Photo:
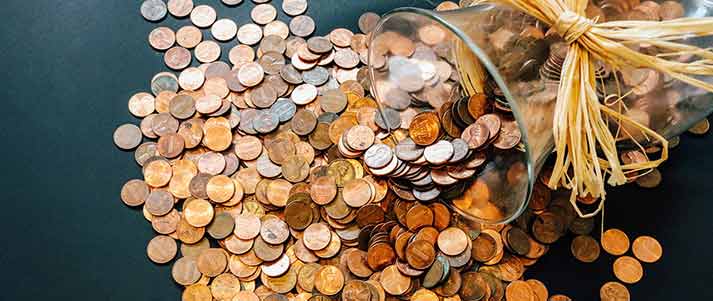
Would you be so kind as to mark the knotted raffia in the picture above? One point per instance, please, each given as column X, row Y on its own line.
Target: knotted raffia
column 579, row 126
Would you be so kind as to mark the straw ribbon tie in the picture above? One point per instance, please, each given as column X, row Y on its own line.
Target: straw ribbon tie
column 571, row 26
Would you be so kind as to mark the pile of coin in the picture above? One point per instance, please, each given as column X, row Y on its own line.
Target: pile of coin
column 277, row 177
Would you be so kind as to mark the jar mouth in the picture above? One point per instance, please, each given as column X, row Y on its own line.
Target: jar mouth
column 495, row 75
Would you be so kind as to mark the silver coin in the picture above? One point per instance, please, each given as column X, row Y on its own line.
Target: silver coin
column 408, row 150
column 266, row 168
column 232, row 2
column 302, row 26
column 291, row 75
column 294, row 7
column 127, row 136
column 265, row 122
column 389, row 119
column 378, row 156
column 164, row 82
column 460, row 150
column 327, row 117
column 246, row 121
column 439, row 153
column 428, row 195
column 317, row 76
column 284, row 108
column 153, row 10
column 319, row 45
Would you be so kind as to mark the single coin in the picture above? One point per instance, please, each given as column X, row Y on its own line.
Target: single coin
column 393, row 281
column 180, row 8
column 425, row 128
column 519, row 290
column 177, row 58
column 159, row 202
column 346, row 58
column 198, row 213
column 368, row 21
column 614, row 291
column 189, row 36
column 452, row 241
column 323, row 190
column 647, row 249
column 316, row 236
column 439, row 153
column 224, row 30
column 539, row 289
column 184, row 271
column 263, row 13
column 207, row 51
column 615, row 242
column 279, row 29
column 294, row 7
column 585, row 248
column 341, row 37
column 142, row 104
column 157, row 173
column 251, row 74
column 247, row 226
column 328, row 280
column 127, row 136
column 302, row 26
column 162, row 38
column 274, row 230
column 304, row 94
column 420, row 254
column 162, row 249
column 134, row 192
column 628, row 269
column 249, row 34
column 212, row 262
column 220, row 189
column 203, row 16
column 153, row 10
column 357, row 192
column 170, row 146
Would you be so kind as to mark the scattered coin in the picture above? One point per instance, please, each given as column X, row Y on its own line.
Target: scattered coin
column 153, row 10
column 628, row 270
column 615, row 242
column 646, row 249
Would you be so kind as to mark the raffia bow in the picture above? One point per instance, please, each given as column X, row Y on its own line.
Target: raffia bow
column 579, row 126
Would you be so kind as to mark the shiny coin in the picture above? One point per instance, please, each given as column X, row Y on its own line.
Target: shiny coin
column 153, row 10
column 615, row 242
column 614, row 291
column 224, row 30
column 203, row 16
column 263, row 14
column 628, row 270
column 647, row 249
column 180, row 8
column 294, row 7
column 249, row 34
column 302, row 26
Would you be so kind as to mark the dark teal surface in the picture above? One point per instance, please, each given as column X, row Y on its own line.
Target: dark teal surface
column 66, row 73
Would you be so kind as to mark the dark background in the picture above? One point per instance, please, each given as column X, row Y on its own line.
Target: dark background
column 67, row 71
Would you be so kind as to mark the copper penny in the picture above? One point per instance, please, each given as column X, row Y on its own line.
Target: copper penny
column 203, row 16
column 162, row 38
column 615, row 242
column 162, row 249
column 127, row 136
column 177, row 58
column 628, row 269
column 647, row 249
column 585, row 248
column 180, row 8
column 212, row 262
column 614, row 291
column 328, row 280
column 452, row 241
column 189, row 36
column 247, row 226
column 316, row 236
column 393, row 281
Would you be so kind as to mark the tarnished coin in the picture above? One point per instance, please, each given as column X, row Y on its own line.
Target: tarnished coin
column 368, row 21
column 127, row 136
column 585, row 248
column 153, row 10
